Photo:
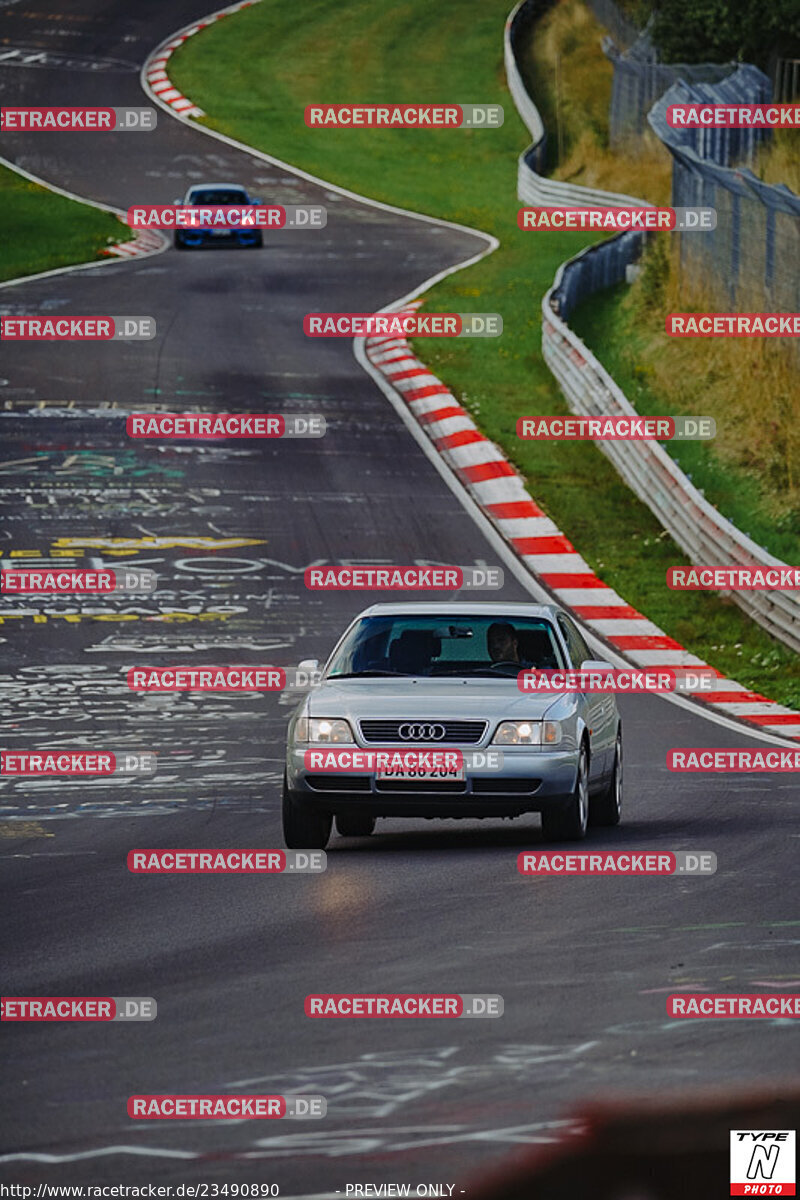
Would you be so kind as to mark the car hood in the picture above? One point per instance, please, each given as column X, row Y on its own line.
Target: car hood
column 380, row 697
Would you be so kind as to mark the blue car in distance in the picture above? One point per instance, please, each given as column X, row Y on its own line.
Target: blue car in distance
column 212, row 195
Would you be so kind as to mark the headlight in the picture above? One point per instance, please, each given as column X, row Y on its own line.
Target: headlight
column 527, row 733
column 323, row 729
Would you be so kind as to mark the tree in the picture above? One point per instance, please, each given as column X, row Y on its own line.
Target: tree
column 722, row 30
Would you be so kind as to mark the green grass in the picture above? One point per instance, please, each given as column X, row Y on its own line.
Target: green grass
column 42, row 230
column 612, row 328
column 284, row 57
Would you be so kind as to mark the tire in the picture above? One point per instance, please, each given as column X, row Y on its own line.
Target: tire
column 259, row 242
column 303, row 827
column 606, row 808
column 568, row 822
column 180, row 244
column 354, row 824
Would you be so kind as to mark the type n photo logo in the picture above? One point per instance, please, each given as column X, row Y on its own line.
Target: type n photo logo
column 762, row 1162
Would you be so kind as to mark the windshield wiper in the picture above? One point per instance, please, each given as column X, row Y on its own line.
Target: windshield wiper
column 476, row 672
column 364, row 674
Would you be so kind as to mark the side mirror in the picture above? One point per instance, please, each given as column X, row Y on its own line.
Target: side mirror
column 177, row 201
column 309, row 665
column 596, row 664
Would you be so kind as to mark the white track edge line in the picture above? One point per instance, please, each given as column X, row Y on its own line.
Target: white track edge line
column 59, row 191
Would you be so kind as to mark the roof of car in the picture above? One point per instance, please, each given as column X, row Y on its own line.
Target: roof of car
column 238, row 186
column 461, row 608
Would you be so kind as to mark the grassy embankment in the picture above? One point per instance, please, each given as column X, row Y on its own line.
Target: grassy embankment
column 42, row 230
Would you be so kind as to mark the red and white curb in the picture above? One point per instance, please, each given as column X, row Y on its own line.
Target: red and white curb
column 155, row 74
column 144, row 242
column 147, row 241
column 500, row 493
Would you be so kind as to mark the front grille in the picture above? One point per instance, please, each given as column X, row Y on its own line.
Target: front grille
column 506, row 787
column 438, row 787
column 456, row 733
column 338, row 783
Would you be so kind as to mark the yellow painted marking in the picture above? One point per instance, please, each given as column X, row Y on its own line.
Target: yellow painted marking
column 125, row 545
column 74, row 618
column 23, row 829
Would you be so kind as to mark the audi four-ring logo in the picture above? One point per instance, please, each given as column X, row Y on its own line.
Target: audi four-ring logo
column 422, row 733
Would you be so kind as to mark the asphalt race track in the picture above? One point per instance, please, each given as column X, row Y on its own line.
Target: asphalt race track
column 584, row 965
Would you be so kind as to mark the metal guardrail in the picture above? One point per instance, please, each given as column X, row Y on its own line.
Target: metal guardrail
column 701, row 531
column 532, row 187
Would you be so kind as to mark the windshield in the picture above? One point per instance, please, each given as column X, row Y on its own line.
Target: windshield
column 218, row 196
column 433, row 647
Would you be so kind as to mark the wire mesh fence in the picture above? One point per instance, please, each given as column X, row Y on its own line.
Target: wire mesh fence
column 620, row 26
column 749, row 262
column 785, row 73
column 640, row 79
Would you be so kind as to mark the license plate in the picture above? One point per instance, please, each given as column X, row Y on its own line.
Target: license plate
column 220, row 233
column 421, row 773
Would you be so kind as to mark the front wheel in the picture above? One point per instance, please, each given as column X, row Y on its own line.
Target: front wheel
column 606, row 809
column 303, row 827
column 568, row 822
column 354, row 824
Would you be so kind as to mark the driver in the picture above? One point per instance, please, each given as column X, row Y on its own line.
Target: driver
column 502, row 642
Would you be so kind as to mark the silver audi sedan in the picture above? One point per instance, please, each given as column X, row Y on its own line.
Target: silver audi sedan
column 430, row 676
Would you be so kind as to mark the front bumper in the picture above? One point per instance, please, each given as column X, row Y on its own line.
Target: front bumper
column 528, row 781
column 207, row 237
